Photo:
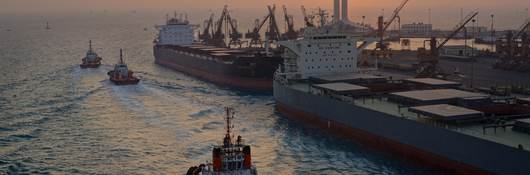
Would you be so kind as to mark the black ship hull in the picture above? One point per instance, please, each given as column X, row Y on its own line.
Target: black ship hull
column 242, row 71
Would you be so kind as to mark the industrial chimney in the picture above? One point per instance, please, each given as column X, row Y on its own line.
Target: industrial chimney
column 336, row 11
column 345, row 10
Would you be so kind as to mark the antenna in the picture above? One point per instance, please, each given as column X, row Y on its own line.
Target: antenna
column 121, row 56
column 90, row 44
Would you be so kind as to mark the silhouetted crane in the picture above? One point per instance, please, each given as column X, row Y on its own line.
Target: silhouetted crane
column 428, row 60
column 290, row 32
column 206, row 35
column 383, row 27
column 218, row 37
column 272, row 33
column 308, row 19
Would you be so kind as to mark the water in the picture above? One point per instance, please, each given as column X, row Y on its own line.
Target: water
column 59, row 119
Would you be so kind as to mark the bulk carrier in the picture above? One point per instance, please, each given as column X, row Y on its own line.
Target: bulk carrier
column 208, row 56
column 429, row 121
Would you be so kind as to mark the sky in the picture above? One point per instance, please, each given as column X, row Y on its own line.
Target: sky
column 444, row 13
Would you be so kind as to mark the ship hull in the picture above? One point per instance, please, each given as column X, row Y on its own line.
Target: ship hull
column 125, row 82
column 440, row 149
column 87, row 66
column 257, row 78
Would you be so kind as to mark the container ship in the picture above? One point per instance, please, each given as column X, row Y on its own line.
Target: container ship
column 432, row 122
column 234, row 64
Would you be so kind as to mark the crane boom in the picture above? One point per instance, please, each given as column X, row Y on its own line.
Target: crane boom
column 307, row 18
column 523, row 28
column 395, row 14
column 457, row 29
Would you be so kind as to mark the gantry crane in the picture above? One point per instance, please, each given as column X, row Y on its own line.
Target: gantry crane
column 428, row 59
column 290, row 32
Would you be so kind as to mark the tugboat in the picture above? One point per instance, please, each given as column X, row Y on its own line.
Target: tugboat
column 121, row 75
column 91, row 60
column 230, row 158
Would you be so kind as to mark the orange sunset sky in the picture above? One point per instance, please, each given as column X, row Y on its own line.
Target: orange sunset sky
column 509, row 13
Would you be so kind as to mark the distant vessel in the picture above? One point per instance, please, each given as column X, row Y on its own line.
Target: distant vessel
column 211, row 59
column 121, row 75
column 230, row 158
column 91, row 60
column 429, row 121
column 48, row 26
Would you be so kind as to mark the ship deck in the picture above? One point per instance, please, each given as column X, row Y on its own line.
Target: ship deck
column 383, row 104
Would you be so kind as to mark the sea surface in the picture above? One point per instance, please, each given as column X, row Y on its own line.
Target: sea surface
column 59, row 119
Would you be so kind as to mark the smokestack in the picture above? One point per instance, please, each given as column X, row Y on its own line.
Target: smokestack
column 345, row 10
column 336, row 11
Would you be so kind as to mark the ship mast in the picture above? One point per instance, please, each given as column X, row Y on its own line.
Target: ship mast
column 90, row 45
column 229, row 116
column 121, row 57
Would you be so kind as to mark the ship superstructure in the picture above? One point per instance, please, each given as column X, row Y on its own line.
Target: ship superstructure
column 176, row 31
column 121, row 75
column 232, row 157
column 430, row 121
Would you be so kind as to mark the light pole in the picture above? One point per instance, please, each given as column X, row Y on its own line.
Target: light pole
column 492, row 32
column 473, row 57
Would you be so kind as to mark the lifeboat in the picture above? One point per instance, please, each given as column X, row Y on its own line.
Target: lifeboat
column 121, row 75
column 91, row 60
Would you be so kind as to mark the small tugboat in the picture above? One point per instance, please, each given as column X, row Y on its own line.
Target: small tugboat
column 230, row 158
column 121, row 75
column 91, row 60
column 48, row 26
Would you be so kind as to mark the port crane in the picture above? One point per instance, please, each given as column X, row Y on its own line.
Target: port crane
column 235, row 35
column 218, row 37
column 206, row 35
column 308, row 19
column 523, row 29
column 382, row 49
column 322, row 16
column 428, row 59
column 272, row 34
column 290, row 32
column 514, row 50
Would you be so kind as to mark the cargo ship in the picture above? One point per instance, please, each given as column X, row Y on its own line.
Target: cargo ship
column 233, row 157
column 210, row 58
column 434, row 123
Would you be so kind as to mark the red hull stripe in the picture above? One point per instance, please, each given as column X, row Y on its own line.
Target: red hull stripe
column 251, row 84
column 383, row 144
